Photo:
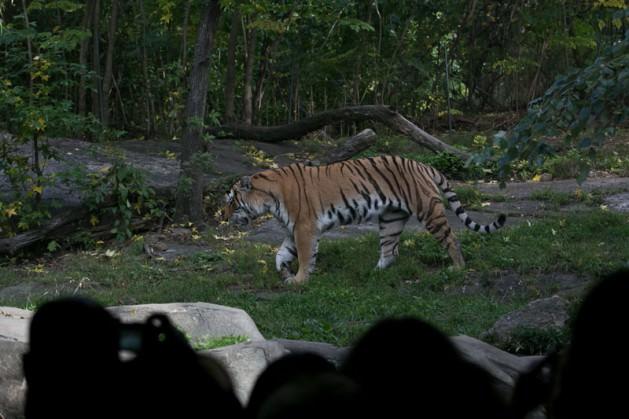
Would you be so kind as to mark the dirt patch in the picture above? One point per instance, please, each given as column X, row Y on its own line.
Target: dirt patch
column 507, row 285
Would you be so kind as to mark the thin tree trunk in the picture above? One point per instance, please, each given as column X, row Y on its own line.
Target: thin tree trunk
column 148, row 103
column 83, row 55
column 249, row 61
column 107, row 78
column 263, row 70
column 230, row 73
column 189, row 203
column 36, row 167
column 97, row 92
column 184, row 34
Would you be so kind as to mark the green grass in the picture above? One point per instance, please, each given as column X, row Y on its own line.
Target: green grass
column 555, row 198
column 203, row 344
column 345, row 295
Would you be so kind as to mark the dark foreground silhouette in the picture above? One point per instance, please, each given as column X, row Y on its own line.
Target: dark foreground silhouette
column 84, row 363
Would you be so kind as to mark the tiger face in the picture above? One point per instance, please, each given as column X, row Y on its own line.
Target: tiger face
column 244, row 203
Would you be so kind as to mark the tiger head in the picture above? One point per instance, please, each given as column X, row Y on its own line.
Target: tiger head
column 244, row 202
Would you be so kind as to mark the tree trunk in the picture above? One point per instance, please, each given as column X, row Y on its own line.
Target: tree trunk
column 184, row 35
column 230, row 73
column 249, row 61
column 189, row 203
column 149, row 105
column 83, row 53
column 263, row 70
column 97, row 92
column 296, row 130
column 107, row 78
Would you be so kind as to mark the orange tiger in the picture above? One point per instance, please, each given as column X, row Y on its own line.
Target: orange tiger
column 309, row 200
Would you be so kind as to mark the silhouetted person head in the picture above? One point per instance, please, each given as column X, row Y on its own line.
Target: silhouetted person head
column 167, row 379
column 318, row 396
column 74, row 369
column 593, row 379
column 72, row 365
column 287, row 369
column 408, row 368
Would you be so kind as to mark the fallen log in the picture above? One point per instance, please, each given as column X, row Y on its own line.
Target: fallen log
column 351, row 146
column 62, row 226
column 12, row 244
column 296, row 130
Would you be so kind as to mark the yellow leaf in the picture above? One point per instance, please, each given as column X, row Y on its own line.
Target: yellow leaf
column 537, row 178
column 10, row 212
column 38, row 189
column 94, row 220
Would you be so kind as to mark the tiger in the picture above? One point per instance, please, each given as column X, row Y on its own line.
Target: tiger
column 311, row 199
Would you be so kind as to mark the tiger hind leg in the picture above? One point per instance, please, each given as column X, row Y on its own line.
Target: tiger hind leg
column 391, row 225
column 437, row 224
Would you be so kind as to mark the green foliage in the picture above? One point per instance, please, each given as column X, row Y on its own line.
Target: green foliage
column 583, row 107
column 34, row 110
column 118, row 192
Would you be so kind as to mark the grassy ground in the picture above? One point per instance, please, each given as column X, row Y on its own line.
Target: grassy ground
column 345, row 295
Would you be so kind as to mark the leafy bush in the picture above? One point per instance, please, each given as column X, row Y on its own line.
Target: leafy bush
column 117, row 192
column 583, row 107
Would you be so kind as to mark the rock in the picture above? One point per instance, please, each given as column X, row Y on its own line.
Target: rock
column 619, row 202
column 197, row 320
column 14, row 324
column 245, row 362
column 12, row 384
column 330, row 352
column 543, row 315
column 546, row 177
column 502, row 366
column 510, row 364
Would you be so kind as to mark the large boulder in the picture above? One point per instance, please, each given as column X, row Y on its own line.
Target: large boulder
column 244, row 362
column 197, row 320
column 12, row 384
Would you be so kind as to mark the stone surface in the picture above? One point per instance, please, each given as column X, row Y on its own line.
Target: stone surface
column 14, row 324
column 619, row 202
column 543, row 315
column 330, row 352
column 483, row 353
column 246, row 361
column 197, row 320
column 12, row 384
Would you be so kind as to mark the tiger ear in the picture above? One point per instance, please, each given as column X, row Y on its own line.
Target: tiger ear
column 245, row 183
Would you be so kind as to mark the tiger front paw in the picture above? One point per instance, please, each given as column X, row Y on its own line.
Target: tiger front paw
column 294, row 280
